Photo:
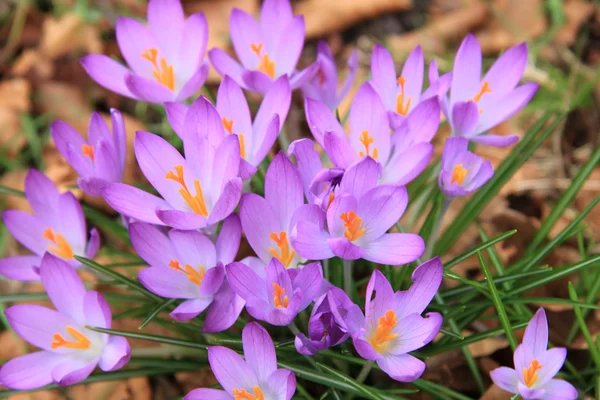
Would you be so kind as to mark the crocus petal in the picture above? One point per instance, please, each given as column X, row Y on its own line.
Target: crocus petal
column 212, row 280
column 168, row 283
column 107, row 73
column 195, row 82
column 536, row 333
column 345, row 249
column 507, row 106
column 72, row 371
column 465, row 116
column 365, row 350
column 307, row 160
column 115, row 355
column 405, row 166
column 427, row 279
column 134, row 202
column 147, row 89
column 192, row 247
column 307, row 212
column 270, row 135
column 166, row 21
column 245, row 282
column 28, row 230
column 232, row 105
column 403, row 368
column 383, row 71
column 506, row 379
column 276, row 101
column 507, row 71
column 310, row 241
column 309, row 281
column 275, row 15
column 415, row 332
column 227, row 202
column 282, row 384
column 259, row 351
column 228, row 241
column 245, row 32
column 176, row 116
column 72, row 221
column 522, row 359
column 290, row 46
column 20, row 268
column 181, row 219
column 190, row 308
column 339, row 150
column 226, row 166
column 384, row 295
column 551, row 361
column 91, row 186
column 134, row 38
column 63, row 135
column 283, row 188
column 193, row 44
column 96, row 310
column 106, row 163
column 258, row 222
column 151, row 244
column 30, row 371
column 93, row 244
column 225, row 65
column 395, row 249
column 380, row 208
column 466, row 72
column 36, row 324
column 412, row 72
column 557, row 389
column 224, row 310
column 301, row 78
column 368, row 113
column 40, row 191
column 352, row 70
column 257, row 81
column 119, row 136
column 230, row 369
column 207, row 394
column 421, row 124
column 495, row 140
column 320, row 119
column 360, row 177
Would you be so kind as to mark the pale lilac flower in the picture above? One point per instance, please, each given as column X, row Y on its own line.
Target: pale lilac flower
column 392, row 325
column 166, row 57
column 476, row 105
column 324, row 85
column 357, row 221
column 187, row 265
column 197, row 191
column 535, row 366
column 278, row 296
column 254, row 377
column 402, row 95
column 70, row 351
column 402, row 156
column 100, row 159
column 463, row 172
column 267, row 49
column 56, row 226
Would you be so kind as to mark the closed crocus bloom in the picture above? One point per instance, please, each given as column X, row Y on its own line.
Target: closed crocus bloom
column 267, row 49
column 57, row 226
column 323, row 331
column 536, row 366
column 463, row 172
column 197, row 191
column 166, row 58
column 254, row 377
column 402, row 156
column 187, row 265
column 392, row 325
column 403, row 94
column 70, row 351
column 357, row 221
column 100, row 159
column 476, row 105
column 324, row 85
column 275, row 298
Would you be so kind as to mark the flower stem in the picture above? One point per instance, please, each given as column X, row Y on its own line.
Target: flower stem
column 436, row 227
column 348, row 277
column 293, row 328
column 364, row 372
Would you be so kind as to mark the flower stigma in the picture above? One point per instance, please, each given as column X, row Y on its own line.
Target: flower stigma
column 267, row 65
column 163, row 73
column 196, row 202
column 63, row 249
column 279, row 298
column 383, row 333
column 285, row 254
column 352, row 223
column 81, row 342
column 194, row 275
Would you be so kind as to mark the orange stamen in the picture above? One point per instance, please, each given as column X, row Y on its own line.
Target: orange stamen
column 81, row 341
column 352, row 224
column 331, row 198
column 279, row 297
column 163, row 73
column 383, row 332
column 458, row 174
column 485, row 88
column 285, row 254
column 267, row 65
column 243, row 394
column 530, row 374
column 63, row 249
column 88, row 150
column 257, row 48
column 228, row 124
column 194, row 275
column 368, row 140
column 196, row 202
column 402, row 108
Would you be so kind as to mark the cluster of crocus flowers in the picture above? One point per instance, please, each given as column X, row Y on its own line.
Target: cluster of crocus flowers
column 69, row 351
column 57, row 226
column 536, row 366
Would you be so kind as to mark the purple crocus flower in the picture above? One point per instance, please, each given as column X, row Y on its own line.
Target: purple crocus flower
column 402, row 156
column 99, row 160
column 462, row 172
column 357, row 222
column 268, row 222
column 277, row 297
column 476, row 105
column 323, row 331
column 267, row 49
column 324, row 86
column 187, row 265
column 254, row 377
column 403, row 94
column 166, row 57
column 256, row 138
column 198, row 191
column 56, row 226
column 392, row 325
column 535, row 366
column 70, row 352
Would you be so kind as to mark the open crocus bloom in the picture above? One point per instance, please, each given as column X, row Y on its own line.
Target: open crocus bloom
column 535, row 366
column 476, row 105
column 392, row 325
column 256, row 138
column 357, row 221
column 267, row 49
column 402, row 156
column 70, row 352
column 57, row 226
column 254, row 377
column 324, row 85
column 268, row 222
column 99, row 160
column 403, row 94
column 275, row 298
column 198, row 191
column 187, row 265
column 462, row 172
column 166, row 57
